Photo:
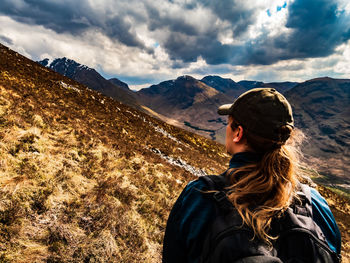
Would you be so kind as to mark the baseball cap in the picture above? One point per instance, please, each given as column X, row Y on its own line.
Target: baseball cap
column 261, row 111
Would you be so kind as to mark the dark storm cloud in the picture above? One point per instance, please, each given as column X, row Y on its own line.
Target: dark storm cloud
column 317, row 28
column 158, row 20
column 239, row 17
column 189, row 48
column 187, row 42
column 72, row 17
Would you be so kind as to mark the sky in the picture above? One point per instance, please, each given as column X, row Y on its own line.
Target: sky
column 146, row 42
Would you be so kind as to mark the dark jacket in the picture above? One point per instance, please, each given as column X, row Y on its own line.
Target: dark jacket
column 194, row 212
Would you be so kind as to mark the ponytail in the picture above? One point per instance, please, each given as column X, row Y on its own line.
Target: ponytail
column 264, row 190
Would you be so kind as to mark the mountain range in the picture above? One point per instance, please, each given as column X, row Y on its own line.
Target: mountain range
column 86, row 178
column 321, row 108
column 189, row 101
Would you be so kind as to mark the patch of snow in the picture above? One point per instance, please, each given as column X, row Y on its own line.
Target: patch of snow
column 49, row 62
column 69, row 87
column 166, row 134
column 179, row 162
column 133, row 114
column 162, row 131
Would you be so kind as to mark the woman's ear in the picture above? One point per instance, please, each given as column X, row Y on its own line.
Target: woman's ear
column 238, row 134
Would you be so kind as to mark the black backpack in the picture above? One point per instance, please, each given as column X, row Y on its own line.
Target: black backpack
column 299, row 238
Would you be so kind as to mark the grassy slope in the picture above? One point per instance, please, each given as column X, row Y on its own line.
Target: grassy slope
column 81, row 178
column 78, row 176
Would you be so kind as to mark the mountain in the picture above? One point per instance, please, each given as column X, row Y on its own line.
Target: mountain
column 281, row 87
column 234, row 89
column 119, row 83
column 85, row 178
column 192, row 104
column 113, row 88
column 189, row 101
column 249, row 84
column 322, row 110
column 224, row 85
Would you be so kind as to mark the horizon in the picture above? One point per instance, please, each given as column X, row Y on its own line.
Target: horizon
column 139, row 87
column 144, row 43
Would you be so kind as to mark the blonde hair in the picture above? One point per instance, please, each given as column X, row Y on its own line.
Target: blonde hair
column 264, row 190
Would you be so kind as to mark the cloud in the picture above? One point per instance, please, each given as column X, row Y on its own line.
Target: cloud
column 6, row 40
column 193, row 31
column 315, row 29
column 164, row 39
column 312, row 28
column 318, row 27
column 73, row 17
column 237, row 13
column 189, row 30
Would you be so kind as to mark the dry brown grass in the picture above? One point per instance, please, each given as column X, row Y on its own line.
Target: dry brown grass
column 78, row 181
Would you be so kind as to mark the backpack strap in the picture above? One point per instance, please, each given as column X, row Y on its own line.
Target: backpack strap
column 218, row 184
column 215, row 182
column 305, row 206
column 299, row 216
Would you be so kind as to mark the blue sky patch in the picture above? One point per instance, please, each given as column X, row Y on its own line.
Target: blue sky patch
column 279, row 8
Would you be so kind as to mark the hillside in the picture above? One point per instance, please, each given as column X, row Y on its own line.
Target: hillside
column 192, row 104
column 322, row 109
column 233, row 89
column 113, row 88
column 85, row 178
column 281, row 87
column 227, row 86
column 189, row 101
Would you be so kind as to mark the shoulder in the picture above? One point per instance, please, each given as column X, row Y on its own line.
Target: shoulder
column 193, row 201
column 196, row 185
column 189, row 218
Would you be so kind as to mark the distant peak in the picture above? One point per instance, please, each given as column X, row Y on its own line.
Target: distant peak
column 212, row 77
column 63, row 64
column 321, row 79
column 45, row 62
column 119, row 83
column 186, row 77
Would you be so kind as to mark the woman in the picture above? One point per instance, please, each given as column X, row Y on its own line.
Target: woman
column 262, row 179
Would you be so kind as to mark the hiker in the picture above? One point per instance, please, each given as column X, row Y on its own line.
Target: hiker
column 259, row 197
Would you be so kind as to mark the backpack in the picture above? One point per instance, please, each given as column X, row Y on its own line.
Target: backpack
column 229, row 240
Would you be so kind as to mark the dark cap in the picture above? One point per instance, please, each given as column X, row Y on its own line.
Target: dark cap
column 262, row 111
